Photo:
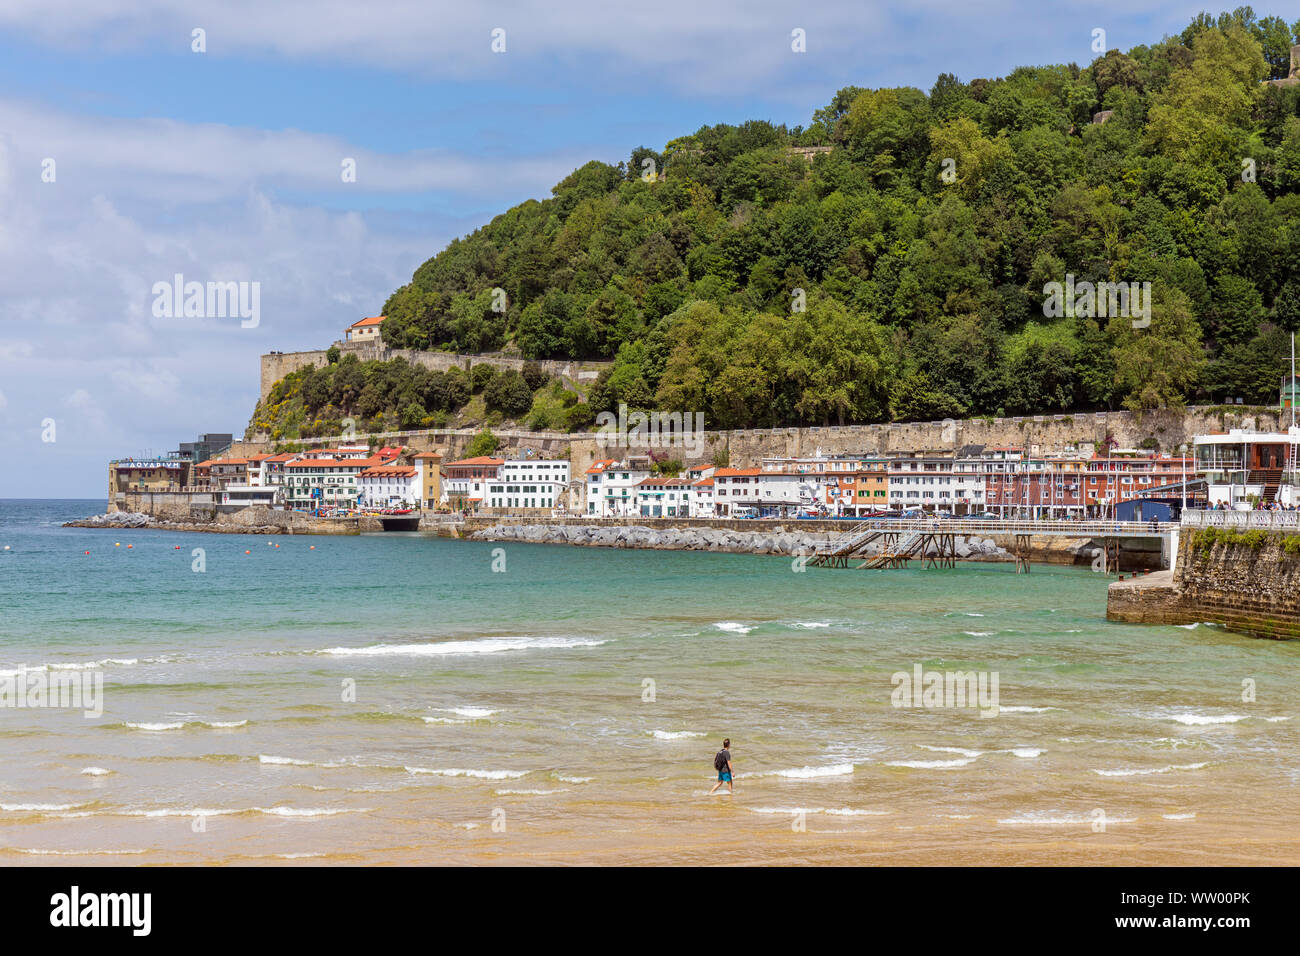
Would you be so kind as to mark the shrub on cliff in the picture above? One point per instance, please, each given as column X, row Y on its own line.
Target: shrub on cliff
column 484, row 443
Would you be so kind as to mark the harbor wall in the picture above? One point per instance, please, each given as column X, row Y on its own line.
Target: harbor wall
column 1245, row 581
column 1136, row 554
column 197, row 511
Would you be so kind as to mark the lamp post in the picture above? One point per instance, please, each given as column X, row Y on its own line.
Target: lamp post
column 1182, row 451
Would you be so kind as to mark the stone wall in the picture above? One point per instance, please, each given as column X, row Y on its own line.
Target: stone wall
column 276, row 365
column 1254, row 590
column 168, row 505
column 197, row 512
column 1044, row 549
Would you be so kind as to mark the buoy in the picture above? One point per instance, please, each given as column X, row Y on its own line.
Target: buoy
column 248, row 552
column 178, row 547
column 6, row 547
column 87, row 552
column 313, row 548
column 130, row 546
column 117, row 544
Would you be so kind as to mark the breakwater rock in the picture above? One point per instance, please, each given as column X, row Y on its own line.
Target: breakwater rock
column 253, row 520
column 775, row 541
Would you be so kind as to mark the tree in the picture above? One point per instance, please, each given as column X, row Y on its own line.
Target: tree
column 480, row 376
column 484, row 443
column 412, row 415
column 1158, row 366
column 509, row 394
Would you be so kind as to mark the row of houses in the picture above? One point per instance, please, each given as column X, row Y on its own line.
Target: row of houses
column 1233, row 470
column 976, row 480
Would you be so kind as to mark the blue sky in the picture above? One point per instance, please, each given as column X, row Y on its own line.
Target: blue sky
column 225, row 165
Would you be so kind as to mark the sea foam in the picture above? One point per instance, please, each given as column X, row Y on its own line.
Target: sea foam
column 486, row 645
column 460, row 772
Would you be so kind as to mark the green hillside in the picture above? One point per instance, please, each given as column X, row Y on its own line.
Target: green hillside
column 922, row 241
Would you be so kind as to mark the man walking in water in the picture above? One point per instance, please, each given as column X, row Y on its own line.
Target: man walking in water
column 722, row 764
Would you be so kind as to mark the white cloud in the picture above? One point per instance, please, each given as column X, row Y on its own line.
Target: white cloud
column 164, row 160
column 136, row 201
column 680, row 44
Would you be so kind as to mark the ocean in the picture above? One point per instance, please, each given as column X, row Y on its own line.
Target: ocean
column 402, row 698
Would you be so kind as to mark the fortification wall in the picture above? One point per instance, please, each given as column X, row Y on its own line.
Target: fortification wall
column 276, row 365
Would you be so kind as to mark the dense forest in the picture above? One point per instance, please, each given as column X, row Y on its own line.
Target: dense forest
column 899, row 272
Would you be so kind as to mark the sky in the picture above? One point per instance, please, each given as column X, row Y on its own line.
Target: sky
column 133, row 149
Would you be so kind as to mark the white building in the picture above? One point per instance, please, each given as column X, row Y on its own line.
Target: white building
column 702, row 497
column 735, row 491
column 391, row 486
column 529, row 483
column 1242, row 468
column 243, row 495
column 464, row 482
column 611, row 487
column 956, row 486
column 664, row 498
column 364, row 330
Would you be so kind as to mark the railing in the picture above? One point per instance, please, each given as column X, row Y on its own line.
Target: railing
column 1074, row 529
column 1279, row 520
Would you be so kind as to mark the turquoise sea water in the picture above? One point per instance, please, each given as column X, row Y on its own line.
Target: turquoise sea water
column 392, row 698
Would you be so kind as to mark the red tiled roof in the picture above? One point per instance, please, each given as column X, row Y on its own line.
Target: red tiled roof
column 480, row 460
column 334, row 462
column 598, row 467
column 380, row 471
column 373, row 320
column 735, row 472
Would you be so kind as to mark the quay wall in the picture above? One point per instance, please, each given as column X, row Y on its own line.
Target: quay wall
column 1247, row 583
column 197, row 511
column 1044, row 549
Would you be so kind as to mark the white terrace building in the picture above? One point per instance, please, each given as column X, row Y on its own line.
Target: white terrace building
column 664, row 498
column 956, row 486
column 527, row 483
column 611, row 487
column 391, row 486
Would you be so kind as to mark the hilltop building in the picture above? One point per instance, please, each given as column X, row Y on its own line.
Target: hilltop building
column 364, row 330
